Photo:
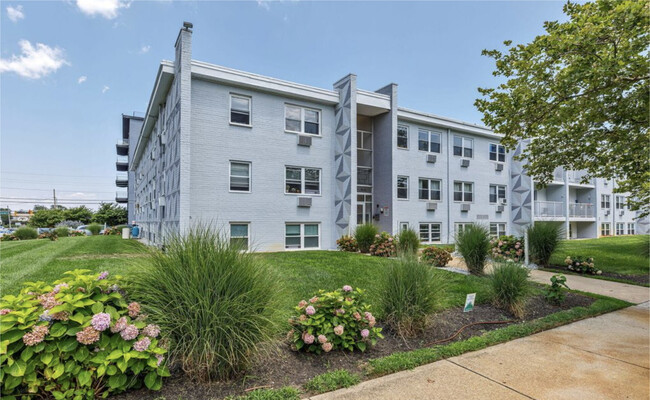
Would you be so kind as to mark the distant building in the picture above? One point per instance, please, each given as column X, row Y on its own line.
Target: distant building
column 131, row 126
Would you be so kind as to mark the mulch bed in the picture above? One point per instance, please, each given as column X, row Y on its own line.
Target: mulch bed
column 283, row 367
column 633, row 279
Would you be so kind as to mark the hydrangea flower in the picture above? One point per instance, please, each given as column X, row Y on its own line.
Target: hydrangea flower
column 101, row 321
column 89, row 335
column 160, row 359
column 347, row 288
column 308, row 338
column 302, row 317
column 102, row 276
column 313, row 299
column 130, row 332
column 119, row 326
column 36, row 336
column 338, row 330
column 339, row 311
column 365, row 333
column 48, row 301
column 61, row 316
column 134, row 309
column 5, row 311
column 327, row 347
column 302, row 304
column 322, row 339
column 357, row 316
column 151, row 330
column 310, row 310
column 142, row 344
column 57, row 288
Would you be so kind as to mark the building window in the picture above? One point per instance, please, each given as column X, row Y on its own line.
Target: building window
column 239, row 234
column 497, row 229
column 604, row 201
column 459, row 227
column 620, row 202
column 240, row 176
column 497, row 152
column 428, row 141
column 497, row 194
column 605, row 229
column 301, row 120
column 402, row 137
column 240, row 110
column 463, row 191
column 403, row 226
column 429, row 189
column 300, row 180
column 620, row 228
column 463, row 146
column 630, row 229
column 429, row 232
column 302, row 236
column 402, row 187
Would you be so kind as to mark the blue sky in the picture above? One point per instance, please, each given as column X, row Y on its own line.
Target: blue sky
column 69, row 69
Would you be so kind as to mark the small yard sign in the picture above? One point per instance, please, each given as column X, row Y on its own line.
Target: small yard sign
column 469, row 302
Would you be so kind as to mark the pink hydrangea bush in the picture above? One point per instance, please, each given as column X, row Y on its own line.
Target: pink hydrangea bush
column 582, row 265
column 436, row 256
column 508, row 248
column 383, row 245
column 77, row 338
column 347, row 243
column 331, row 321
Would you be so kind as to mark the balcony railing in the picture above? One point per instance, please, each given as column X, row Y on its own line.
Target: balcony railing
column 576, row 177
column 121, row 197
column 558, row 174
column 122, row 180
column 581, row 210
column 549, row 209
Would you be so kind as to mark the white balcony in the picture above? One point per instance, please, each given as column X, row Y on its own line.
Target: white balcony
column 581, row 210
column 549, row 209
column 575, row 178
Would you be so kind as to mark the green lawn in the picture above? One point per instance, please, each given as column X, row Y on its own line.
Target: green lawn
column 619, row 254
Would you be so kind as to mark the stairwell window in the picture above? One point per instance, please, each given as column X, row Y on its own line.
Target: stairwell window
column 497, row 152
column 463, row 146
column 301, row 120
column 403, row 187
column 605, row 201
column 620, row 202
column 402, row 137
column 497, row 194
column 240, row 110
column 239, row 234
column 464, row 191
column 302, row 236
column 302, row 180
column 429, row 189
column 240, row 176
column 428, row 141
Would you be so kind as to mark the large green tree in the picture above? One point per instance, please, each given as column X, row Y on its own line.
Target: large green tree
column 111, row 214
column 46, row 218
column 580, row 94
column 81, row 213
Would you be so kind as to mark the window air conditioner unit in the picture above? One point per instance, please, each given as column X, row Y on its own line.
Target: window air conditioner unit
column 464, row 163
column 464, row 207
column 607, row 213
column 500, row 209
column 304, row 201
column 503, row 201
column 161, row 201
column 304, row 140
column 499, row 167
column 431, row 158
column 621, row 213
column 432, row 206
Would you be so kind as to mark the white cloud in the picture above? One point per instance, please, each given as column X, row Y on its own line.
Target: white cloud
column 82, row 195
column 265, row 4
column 105, row 8
column 105, row 89
column 144, row 49
column 35, row 61
column 15, row 13
column 82, row 79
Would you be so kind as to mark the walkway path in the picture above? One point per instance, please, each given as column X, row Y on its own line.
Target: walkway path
column 606, row 357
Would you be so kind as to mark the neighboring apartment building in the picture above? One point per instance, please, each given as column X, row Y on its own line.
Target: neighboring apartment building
column 125, row 148
column 282, row 165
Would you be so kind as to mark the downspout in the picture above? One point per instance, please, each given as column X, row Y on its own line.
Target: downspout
column 448, row 190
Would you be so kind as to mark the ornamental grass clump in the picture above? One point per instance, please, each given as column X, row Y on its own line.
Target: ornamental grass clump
column 543, row 239
column 510, row 287
column 65, row 341
column 94, row 229
column 62, row 231
column 365, row 236
column 333, row 320
column 214, row 301
column 473, row 243
column 408, row 241
column 410, row 293
column 25, row 233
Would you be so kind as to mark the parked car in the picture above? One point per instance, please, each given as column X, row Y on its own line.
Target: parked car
column 84, row 229
column 43, row 230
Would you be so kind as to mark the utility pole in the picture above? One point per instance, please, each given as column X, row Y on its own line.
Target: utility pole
column 9, row 216
column 54, row 196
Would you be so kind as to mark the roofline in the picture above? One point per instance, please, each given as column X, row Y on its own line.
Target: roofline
column 445, row 122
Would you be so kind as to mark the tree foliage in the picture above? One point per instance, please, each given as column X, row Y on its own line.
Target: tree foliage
column 46, row 218
column 580, row 95
column 110, row 214
column 81, row 213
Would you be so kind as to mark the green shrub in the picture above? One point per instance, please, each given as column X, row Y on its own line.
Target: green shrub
column 49, row 235
column 508, row 247
column 436, row 256
column 94, row 229
column 365, row 236
column 284, row 393
column 408, row 241
column 543, row 239
column 510, row 287
column 77, row 233
column 347, row 243
column 473, row 243
column 383, row 245
column 582, row 265
column 336, row 320
column 554, row 293
column 409, row 294
column 62, row 231
column 644, row 245
column 8, row 237
column 25, row 233
column 215, row 301
column 76, row 339
column 332, row 380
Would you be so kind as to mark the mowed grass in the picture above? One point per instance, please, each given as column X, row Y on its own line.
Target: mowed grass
column 618, row 254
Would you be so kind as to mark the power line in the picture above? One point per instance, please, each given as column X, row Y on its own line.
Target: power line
column 47, row 190
column 65, row 176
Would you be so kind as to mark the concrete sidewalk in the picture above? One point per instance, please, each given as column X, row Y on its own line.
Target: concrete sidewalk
column 606, row 357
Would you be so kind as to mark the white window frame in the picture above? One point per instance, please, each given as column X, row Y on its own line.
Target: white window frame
column 605, row 201
column 398, row 188
column 302, row 119
column 302, row 236
column 429, row 199
column 430, row 231
column 621, row 230
column 248, row 232
column 463, row 146
column 250, row 110
column 430, row 134
column 403, row 226
column 631, row 228
column 406, row 127
column 605, row 229
column 505, row 193
column 620, row 202
column 302, row 181
column 497, row 227
column 459, row 226
column 499, row 146
column 463, row 192
column 250, row 176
